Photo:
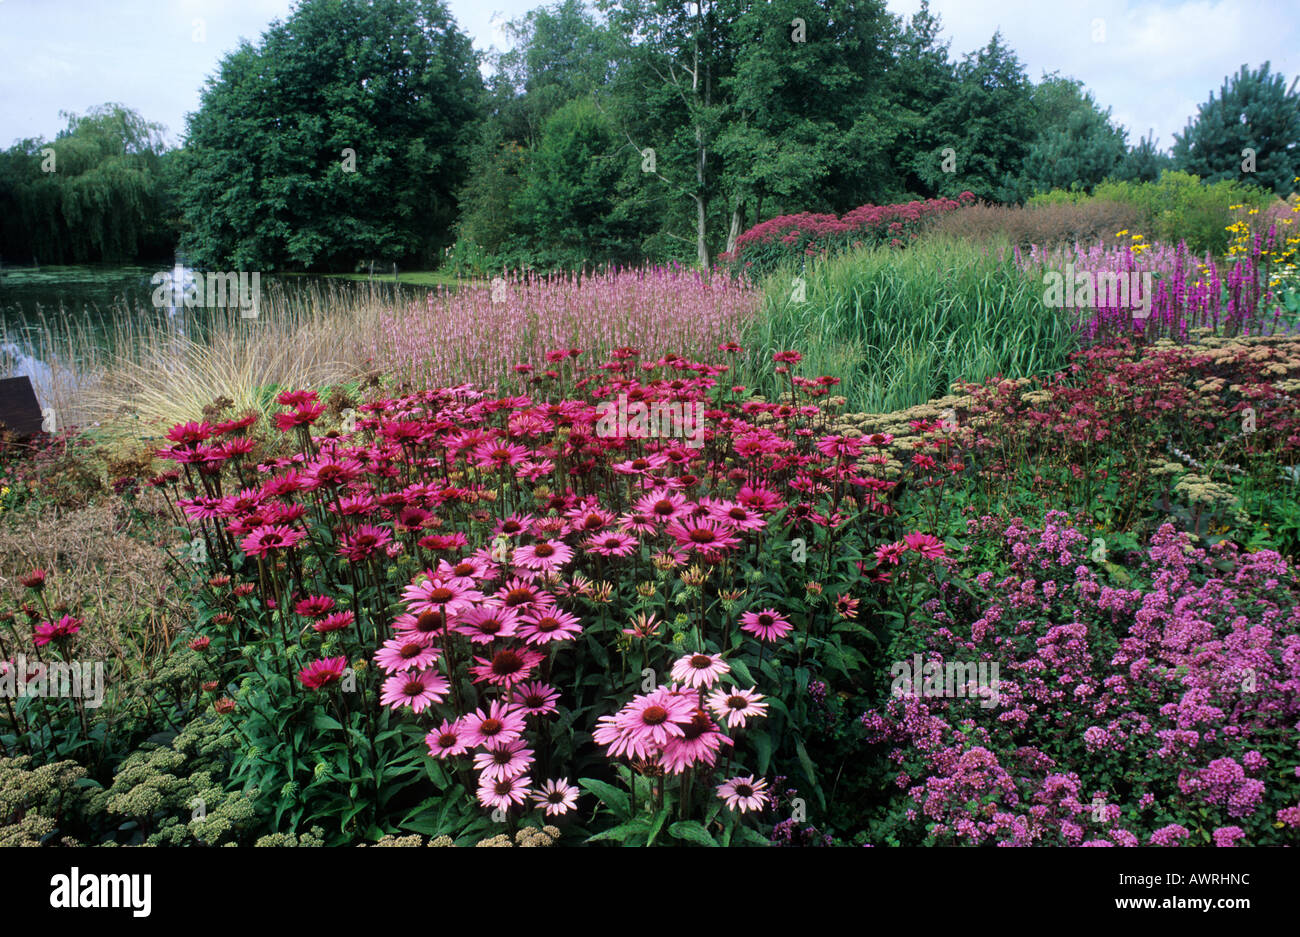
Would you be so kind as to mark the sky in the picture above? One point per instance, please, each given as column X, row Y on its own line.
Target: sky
column 1151, row 61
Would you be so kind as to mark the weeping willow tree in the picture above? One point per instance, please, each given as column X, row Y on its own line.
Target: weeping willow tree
column 99, row 192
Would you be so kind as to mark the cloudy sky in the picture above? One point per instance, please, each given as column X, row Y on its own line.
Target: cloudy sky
column 1151, row 61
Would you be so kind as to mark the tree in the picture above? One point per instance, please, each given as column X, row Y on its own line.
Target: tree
column 1144, row 162
column 342, row 136
column 1254, row 112
column 1077, row 146
column 97, row 193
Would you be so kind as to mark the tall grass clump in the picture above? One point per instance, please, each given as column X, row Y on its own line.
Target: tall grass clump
column 899, row 327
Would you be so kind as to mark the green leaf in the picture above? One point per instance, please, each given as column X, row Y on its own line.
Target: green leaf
column 693, row 831
column 608, row 794
column 623, row 831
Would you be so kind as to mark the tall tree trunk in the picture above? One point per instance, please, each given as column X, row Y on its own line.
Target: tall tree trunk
column 737, row 219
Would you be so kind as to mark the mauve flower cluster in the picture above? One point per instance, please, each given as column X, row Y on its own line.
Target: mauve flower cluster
column 1161, row 712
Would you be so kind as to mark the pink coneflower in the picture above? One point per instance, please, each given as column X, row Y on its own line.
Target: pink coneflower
column 638, row 523
column 515, row 525
column 272, row 537
column 657, row 716
column 413, row 652
column 744, row 793
column 641, row 465
column 736, row 515
column 486, row 623
column 613, row 543
column 520, row 594
column 504, row 793
column 507, row 667
column 504, row 760
column 416, row 690
column 619, row 742
column 736, row 707
column 890, row 554
column 431, row 594
column 501, row 723
column 589, row 520
column 466, row 571
column 65, row 627
column 425, row 623
column 334, row 622
column 547, row 556
column 761, row 500
column 700, row 670
column 314, row 606
column 927, row 545
column 840, row 447
column 327, row 472
column 447, row 740
column 766, row 625
column 535, row 698
column 557, row 797
column 362, row 542
column 499, row 454
column 702, row 535
column 321, row 673
column 846, row 607
column 548, row 623
column 699, row 744
column 661, row 504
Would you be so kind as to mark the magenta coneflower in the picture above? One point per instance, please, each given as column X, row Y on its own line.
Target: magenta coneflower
column 928, row 545
column 65, row 627
column 431, row 594
column 548, row 623
column 425, row 623
column 759, row 499
column 743, row 793
column 314, row 606
column 547, row 556
column 465, row 571
column 507, row 667
column 620, row 742
column 700, row 670
column 501, row 723
column 517, row 593
column 499, row 454
column 698, row 745
column 890, row 554
column 657, row 716
column 447, row 740
column 535, row 698
column 766, row 625
column 736, row 707
column 514, row 526
column 613, row 543
column 486, row 623
column 503, row 793
column 416, row 690
column 702, row 535
column 635, row 522
column 557, row 797
column 334, row 622
column 412, row 652
column 504, row 760
column 362, row 542
column 661, row 504
column 272, row 537
column 321, row 673
column 736, row 515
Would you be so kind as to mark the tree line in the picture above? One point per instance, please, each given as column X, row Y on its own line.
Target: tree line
column 360, row 130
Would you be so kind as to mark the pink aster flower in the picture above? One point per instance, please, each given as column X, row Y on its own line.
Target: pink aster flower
column 700, row 670
column 411, row 652
column 766, row 625
column 501, row 723
column 321, row 673
column 743, row 793
column 548, row 623
column 416, row 690
column 557, row 797
column 503, row 760
column 735, row 707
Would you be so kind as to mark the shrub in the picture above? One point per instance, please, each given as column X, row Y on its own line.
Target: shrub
column 1063, row 219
